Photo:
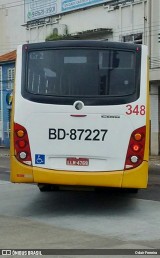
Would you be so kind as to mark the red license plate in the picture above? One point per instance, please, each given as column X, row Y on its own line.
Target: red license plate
column 77, row 161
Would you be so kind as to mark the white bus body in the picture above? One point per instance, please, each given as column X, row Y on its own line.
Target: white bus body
column 78, row 131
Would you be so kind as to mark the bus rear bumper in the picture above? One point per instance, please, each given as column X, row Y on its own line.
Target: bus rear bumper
column 137, row 177
column 133, row 178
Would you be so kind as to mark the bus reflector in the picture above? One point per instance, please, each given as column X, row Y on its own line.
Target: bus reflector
column 23, row 155
column 21, row 145
column 135, row 153
column 20, row 175
column 134, row 159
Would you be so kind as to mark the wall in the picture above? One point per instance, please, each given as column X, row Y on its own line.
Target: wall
column 11, row 19
column 6, row 107
column 154, row 111
column 125, row 20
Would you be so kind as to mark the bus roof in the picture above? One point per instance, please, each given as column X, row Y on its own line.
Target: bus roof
column 82, row 43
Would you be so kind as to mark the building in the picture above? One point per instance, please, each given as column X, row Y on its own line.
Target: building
column 7, row 68
column 135, row 21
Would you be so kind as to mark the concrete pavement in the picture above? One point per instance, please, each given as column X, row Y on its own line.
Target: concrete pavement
column 70, row 219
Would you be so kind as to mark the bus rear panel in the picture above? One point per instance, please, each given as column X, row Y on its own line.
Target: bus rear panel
column 80, row 114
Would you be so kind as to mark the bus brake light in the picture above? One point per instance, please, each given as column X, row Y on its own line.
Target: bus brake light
column 135, row 153
column 136, row 147
column 21, row 145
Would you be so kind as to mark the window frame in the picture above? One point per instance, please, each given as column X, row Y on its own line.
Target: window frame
column 10, row 78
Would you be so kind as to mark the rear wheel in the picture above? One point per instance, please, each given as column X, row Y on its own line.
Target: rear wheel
column 132, row 190
column 48, row 187
column 45, row 187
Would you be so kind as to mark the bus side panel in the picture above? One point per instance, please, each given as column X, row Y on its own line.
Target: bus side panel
column 146, row 152
column 20, row 173
column 138, row 177
column 12, row 126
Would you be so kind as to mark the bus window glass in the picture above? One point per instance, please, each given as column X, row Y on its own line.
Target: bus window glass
column 81, row 72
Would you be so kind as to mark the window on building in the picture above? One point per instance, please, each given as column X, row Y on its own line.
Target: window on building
column 133, row 38
column 10, row 79
column 0, row 77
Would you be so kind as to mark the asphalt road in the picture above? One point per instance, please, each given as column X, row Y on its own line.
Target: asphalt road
column 151, row 193
column 74, row 220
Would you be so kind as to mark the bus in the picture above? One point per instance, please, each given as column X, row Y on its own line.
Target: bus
column 80, row 115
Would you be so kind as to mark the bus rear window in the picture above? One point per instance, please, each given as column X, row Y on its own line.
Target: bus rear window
column 81, row 72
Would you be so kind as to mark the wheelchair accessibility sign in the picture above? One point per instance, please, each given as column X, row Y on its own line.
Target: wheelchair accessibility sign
column 39, row 159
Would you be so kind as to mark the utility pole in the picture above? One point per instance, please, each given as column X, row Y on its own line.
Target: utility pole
column 149, row 22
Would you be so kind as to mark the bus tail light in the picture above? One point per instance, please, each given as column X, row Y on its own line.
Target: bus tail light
column 21, row 145
column 135, row 153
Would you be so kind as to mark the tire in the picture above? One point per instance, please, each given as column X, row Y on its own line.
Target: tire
column 132, row 190
column 45, row 187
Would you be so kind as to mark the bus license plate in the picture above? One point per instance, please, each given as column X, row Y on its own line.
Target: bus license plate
column 77, row 161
